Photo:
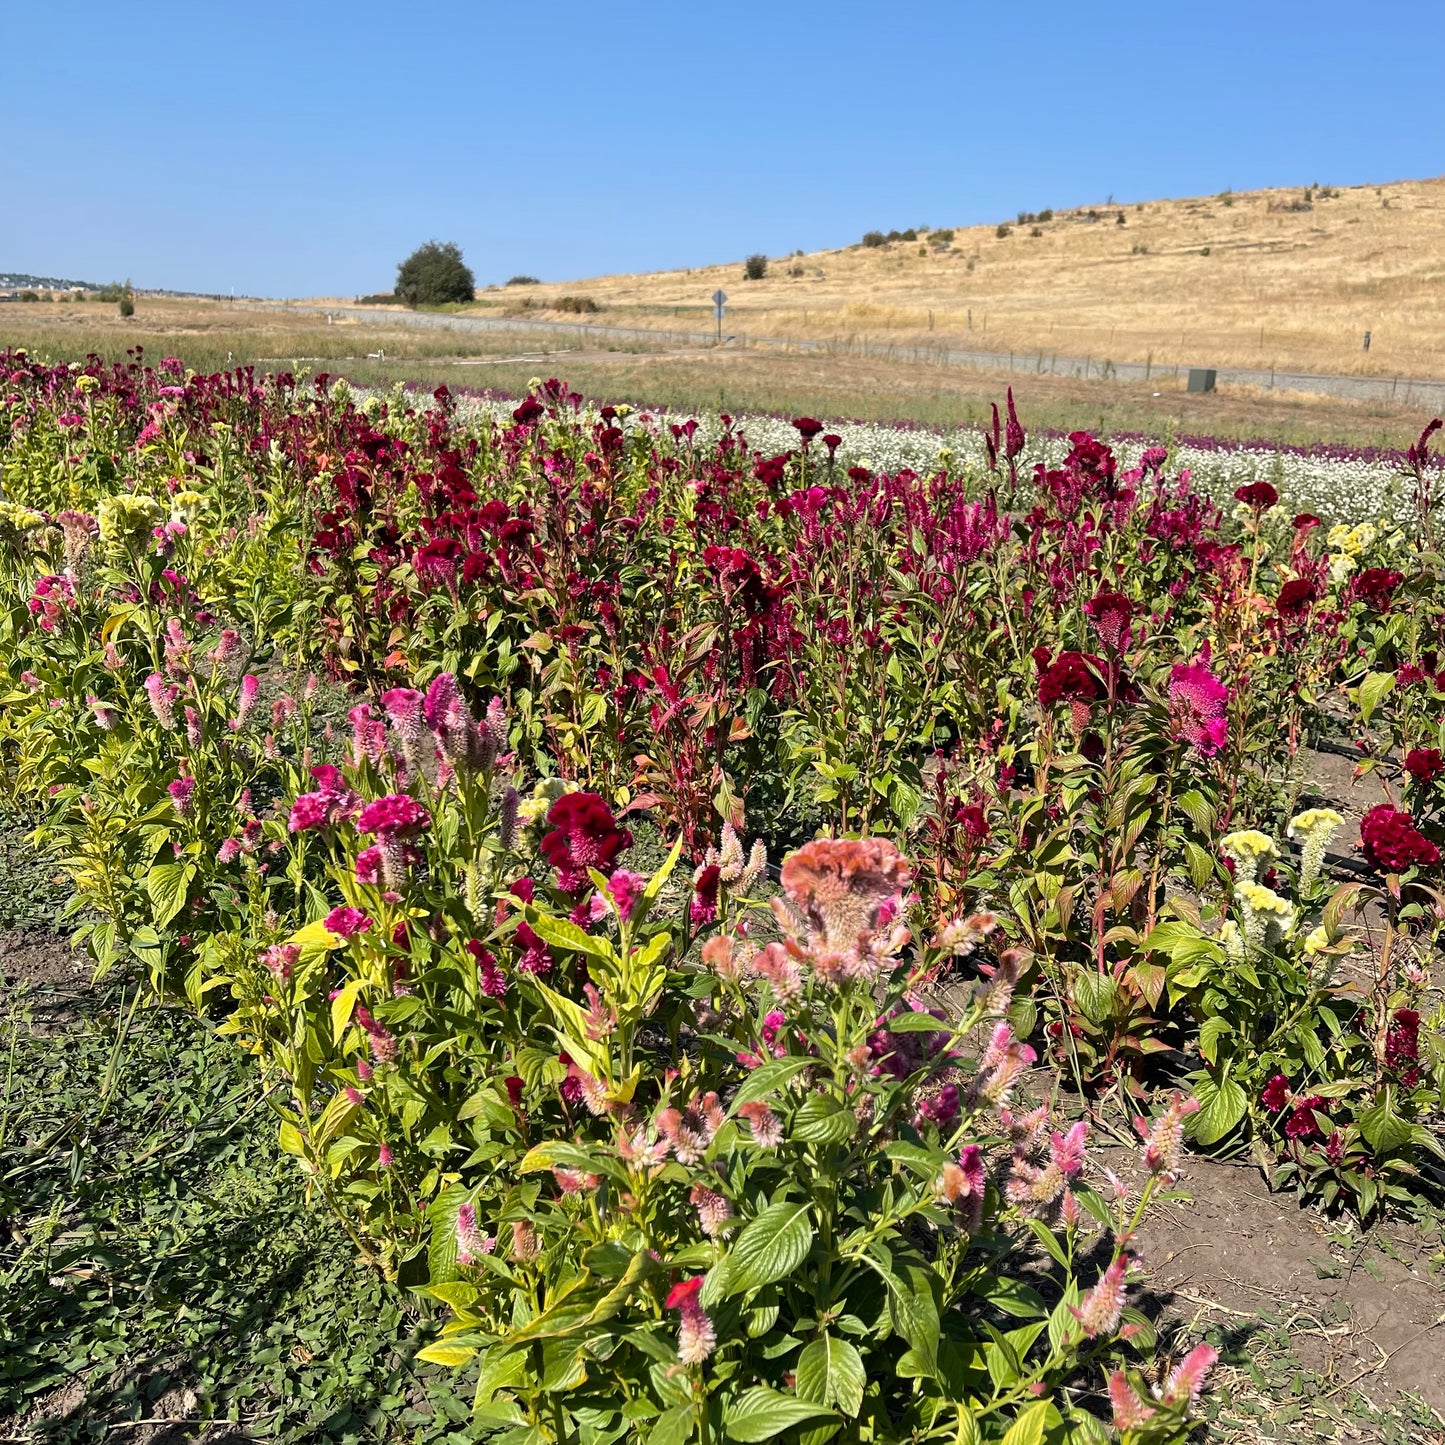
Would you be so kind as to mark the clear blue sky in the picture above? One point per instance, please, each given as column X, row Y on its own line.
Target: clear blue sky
column 291, row 149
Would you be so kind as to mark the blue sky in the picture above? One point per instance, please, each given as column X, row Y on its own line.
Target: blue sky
column 291, row 149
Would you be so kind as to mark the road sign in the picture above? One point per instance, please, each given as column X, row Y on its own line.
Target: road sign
column 719, row 300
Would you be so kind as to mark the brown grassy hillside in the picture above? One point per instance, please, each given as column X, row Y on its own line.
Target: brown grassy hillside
column 1266, row 278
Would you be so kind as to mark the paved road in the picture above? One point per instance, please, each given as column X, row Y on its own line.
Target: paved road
column 1406, row 391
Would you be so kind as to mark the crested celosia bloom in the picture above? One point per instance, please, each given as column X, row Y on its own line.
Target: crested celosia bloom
column 1246, row 849
column 471, row 1242
column 250, row 690
column 1424, row 765
column 50, row 597
column 1276, row 1093
column 962, row 1179
column 398, row 815
column 1256, row 495
column 841, row 887
column 1391, row 843
column 584, row 835
column 1110, row 612
column 696, row 1337
column 346, row 922
column 1004, row 1060
column 1197, row 704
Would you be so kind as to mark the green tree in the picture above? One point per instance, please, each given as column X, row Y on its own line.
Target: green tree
column 434, row 274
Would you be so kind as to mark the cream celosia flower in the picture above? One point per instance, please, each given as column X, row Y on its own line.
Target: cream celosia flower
column 1317, row 940
column 1341, row 565
column 1232, row 939
column 1245, row 848
column 1267, row 916
column 1314, row 827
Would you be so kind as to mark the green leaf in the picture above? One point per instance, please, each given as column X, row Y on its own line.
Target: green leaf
column 1028, row 1429
column 768, row 1079
column 771, row 1247
column 1210, row 1033
column 1371, row 693
column 442, row 1251
column 674, row 1426
column 167, row 885
column 563, row 933
column 823, row 1120
column 761, row 1413
column 1222, row 1104
column 830, row 1372
column 1383, row 1129
column 1195, row 806
column 916, row 1023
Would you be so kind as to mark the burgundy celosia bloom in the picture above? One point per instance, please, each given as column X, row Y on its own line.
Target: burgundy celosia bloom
column 490, row 978
column 1276, row 1094
column 704, row 895
column 808, row 427
column 1068, row 678
column 1402, row 1046
column 1295, row 597
column 1391, row 843
column 1306, row 522
column 180, row 792
column 527, row 412
column 1110, row 613
column 1302, row 1124
column 584, row 835
column 1197, row 702
column 1257, row 495
column 1375, row 587
column 1424, row 765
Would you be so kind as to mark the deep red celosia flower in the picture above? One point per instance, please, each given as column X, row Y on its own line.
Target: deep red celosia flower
column 1424, row 765
column 398, row 815
column 1110, row 613
column 1375, row 587
column 528, row 412
column 1303, row 1124
column 1307, row 522
column 1295, row 598
column 584, row 835
column 1276, row 1094
column 1391, row 842
column 1402, row 1046
column 808, row 427
column 1069, row 678
column 1257, row 495
column 684, row 1296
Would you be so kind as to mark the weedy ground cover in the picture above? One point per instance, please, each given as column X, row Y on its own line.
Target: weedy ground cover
column 954, row 769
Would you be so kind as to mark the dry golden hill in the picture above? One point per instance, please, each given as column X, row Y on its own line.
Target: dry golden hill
column 1286, row 278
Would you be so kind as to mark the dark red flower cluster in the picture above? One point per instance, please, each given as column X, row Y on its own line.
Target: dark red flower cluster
column 1295, row 598
column 1276, row 1094
column 584, row 835
column 1303, row 1123
column 1424, row 765
column 1375, row 587
column 1391, row 842
column 1068, row 678
column 1110, row 612
column 1256, row 495
column 1402, row 1046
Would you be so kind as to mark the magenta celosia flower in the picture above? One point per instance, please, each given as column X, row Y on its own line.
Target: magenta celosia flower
column 1186, row 1380
column 471, row 1242
column 1276, row 1093
column 51, row 595
column 451, row 722
column 104, row 716
column 368, row 735
column 626, row 888
column 1256, row 495
column 280, row 959
column 1165, row 1137
column 181, row 791
column 405, row 707
column 584, row 835
column 1303, row 1123
column 229, row 851
column 346, row 922
column 381, row 1041
column 1066, row 1151
column 536, row 957
column 490, row 978
column 1424, row 765
column 398, row 815
column 703, row 909
column 1110, row 612
column 963, row 1179
column 368, row 865
column 1197, row 704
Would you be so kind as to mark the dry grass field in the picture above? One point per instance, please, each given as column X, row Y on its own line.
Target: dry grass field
column 211, row 336
column 1286, row 278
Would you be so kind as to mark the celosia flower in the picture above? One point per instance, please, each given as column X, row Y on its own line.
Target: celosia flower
column 1424, row 765
column 625, row 889
column 381, row 1041
column 703, row 908
column 398, row 815
column 696, row 1338
column 471, row 1242
column 1315, row 826
column 1276, row 1093
column 1186, row 1380
column 691, row 1130
column 1069, row 678
column 229, row 851
column 1165, row 1137
column 1103, row 1305
column 1245, row 849
column 104, row 716
column 368, row 735
column 1402, row 1046
column 714, row 1212
column 181, row 791
column 841, row 887
column 280, row 959
column 250, row 689
column 1256, row 495
column 1302, row 1123
column 490, row 979
column 452, row 724
column 963, row 1179
column 1004, row 1060
column 526, row 1246
column 1375, row 587
column 1391, row 843
column 1197, row 703
column 346, row 922
column 403, row 705
column 584, row 835
column 162, row 697
column 766, row 1126
column 1110, row 612
column 779, row 969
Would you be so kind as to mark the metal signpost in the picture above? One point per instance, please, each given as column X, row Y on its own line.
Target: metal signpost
column 719, row 300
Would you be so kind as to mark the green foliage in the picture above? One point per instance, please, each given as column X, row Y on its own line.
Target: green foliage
column 435, row 274
column 755, row 267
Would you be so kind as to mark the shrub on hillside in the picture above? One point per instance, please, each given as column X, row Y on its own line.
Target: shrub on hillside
column 523, row 280
column 872, row 238
column 435, row 274
column 755, row 267
column 581, row 305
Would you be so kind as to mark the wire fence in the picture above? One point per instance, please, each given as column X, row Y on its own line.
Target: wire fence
column 1399, row 390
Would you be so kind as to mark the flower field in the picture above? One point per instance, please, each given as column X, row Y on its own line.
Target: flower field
column 706, row 898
